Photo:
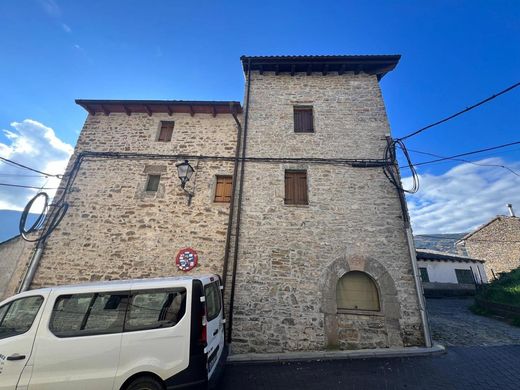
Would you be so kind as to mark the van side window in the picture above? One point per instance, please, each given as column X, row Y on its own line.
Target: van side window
column 17, row 316
column 213, row 307
column 152, row 309
column 88, row 314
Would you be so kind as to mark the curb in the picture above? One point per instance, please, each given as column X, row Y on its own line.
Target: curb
column 437, row 349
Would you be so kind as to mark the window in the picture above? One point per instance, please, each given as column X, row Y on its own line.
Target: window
column 296, row 187
column 303, row 121
column 223, row 189
column 88, row 314
column 357, row 291
column 18, row 316
column 165, row 134
column 153, row 183
column 464, row 276
column 212, row 293
column 424, row 274
column 155, row 309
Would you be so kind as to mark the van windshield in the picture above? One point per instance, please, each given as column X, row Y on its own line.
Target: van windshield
column 17, row 316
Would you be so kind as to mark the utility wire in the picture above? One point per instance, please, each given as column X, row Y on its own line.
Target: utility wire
column 464, row 154
column 29, row 168
column 22, row 186
column 510, row 88
column 466, row 161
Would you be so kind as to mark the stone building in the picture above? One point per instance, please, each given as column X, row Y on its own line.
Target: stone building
column 288, row 202
column 497, row 242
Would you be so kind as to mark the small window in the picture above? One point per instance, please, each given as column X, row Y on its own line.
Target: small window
column 357, row 291
column 155, row 309
column 464, row 276
column 303, row 121
column 153, row 183
column 88, row 314
column 223, row 189
column 165, row 134
column 296, row 187
column 18, row 316
column 213, row 304
column 424, row 274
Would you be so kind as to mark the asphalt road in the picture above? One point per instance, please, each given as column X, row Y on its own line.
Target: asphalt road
column 491, row 367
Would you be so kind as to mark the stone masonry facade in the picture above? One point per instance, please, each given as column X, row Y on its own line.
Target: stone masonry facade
column 497, row 242
column 290, row 257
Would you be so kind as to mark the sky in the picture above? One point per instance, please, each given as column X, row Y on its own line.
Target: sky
column 454, row 53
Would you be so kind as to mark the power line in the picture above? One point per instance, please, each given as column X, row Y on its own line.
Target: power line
column 467, row 161
column 11, row 162
column 464, row 154
column 510, row 88
column 22, row 186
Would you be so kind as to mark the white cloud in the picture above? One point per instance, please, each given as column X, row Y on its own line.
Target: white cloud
column 462, row 198
column 51, row 7
column 35, row 145
column 66, row 28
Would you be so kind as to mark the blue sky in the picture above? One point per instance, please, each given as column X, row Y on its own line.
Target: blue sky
column 454, row 54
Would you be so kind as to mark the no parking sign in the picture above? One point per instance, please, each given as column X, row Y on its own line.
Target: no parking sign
column 186, row 259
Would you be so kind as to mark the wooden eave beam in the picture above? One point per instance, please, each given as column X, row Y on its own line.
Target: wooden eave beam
column 277, row 70
column 90, row 110
column 214, row 110
column 325, row 70
column 127, row 110
column 309, row 69
column 148, row 110
column 192, row 112
column 261, row 69
column 170, row 112
column 357, row 70
column 293, row 67
column 105, row 110
column 342, row 69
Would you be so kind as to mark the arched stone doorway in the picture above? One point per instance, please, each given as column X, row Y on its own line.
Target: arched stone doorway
column 358, row 329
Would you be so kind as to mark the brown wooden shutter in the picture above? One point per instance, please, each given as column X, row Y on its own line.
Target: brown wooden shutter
column 303, row 121
column 296, row 187
column 165, row 134
column 223, row 189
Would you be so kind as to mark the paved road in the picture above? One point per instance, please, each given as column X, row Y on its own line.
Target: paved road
column 495, row 367
column 452, row 324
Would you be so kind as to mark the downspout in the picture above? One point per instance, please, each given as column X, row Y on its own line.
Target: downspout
column 232, row 200
column 31, row 270
column 239, row 205
column 413, row 258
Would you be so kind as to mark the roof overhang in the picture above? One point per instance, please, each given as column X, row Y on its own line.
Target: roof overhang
column 371, row 64
column 430, row 255
column 160, row 106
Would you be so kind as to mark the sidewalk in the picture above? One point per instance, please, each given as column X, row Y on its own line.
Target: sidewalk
column 335, row 355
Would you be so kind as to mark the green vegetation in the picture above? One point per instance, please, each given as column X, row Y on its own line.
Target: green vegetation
column 505, row 291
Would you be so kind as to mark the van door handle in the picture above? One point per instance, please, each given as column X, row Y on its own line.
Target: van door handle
column 16, row 357
column 215, row 332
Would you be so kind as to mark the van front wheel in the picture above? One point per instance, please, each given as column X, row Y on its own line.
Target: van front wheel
column 145, row 383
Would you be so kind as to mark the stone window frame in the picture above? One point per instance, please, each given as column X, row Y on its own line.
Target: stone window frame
column 296, row 167
column 152, row 169
column 390, row 307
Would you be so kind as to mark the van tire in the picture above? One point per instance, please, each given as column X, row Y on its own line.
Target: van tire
column 145, row 383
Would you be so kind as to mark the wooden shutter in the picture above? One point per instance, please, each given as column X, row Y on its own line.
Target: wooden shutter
column 303, row 121
column 223, row 189
column 296, row 187
column 165, row 134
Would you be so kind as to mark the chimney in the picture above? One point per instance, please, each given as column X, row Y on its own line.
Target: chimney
column 511, row 211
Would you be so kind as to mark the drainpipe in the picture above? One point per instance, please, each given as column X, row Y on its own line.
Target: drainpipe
column 31, row 270
column 239, row 205
column 413, row 258
column 232, row 200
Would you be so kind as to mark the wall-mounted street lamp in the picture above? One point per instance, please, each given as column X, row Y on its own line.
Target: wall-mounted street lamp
column 185, row 171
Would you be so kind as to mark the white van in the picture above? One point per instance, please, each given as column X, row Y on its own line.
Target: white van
column 146, row 334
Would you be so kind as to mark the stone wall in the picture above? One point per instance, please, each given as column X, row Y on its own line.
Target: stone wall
column 498, row 243
column 14, row 253
column 114, row 229
column 291, row 257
